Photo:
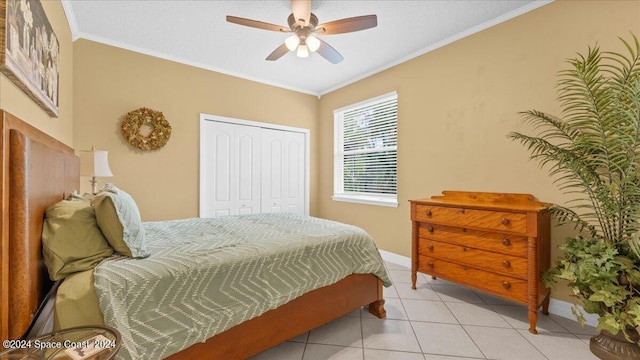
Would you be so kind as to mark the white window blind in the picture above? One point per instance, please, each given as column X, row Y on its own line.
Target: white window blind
column 366, row 151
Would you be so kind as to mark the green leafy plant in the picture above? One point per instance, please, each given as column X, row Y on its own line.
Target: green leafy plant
column 593, row 152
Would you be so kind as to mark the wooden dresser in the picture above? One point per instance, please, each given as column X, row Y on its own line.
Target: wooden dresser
column 494, row 242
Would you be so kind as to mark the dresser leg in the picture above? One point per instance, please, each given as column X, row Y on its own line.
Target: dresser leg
column 545, row 305
column 533, row 320
column 414, row 278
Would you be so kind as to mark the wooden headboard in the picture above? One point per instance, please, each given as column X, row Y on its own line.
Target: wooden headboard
column 37, row 171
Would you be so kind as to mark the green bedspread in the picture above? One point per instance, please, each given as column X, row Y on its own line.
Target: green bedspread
column 207, row 275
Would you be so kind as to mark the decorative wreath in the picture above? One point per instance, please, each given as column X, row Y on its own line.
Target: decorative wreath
column 135, row 119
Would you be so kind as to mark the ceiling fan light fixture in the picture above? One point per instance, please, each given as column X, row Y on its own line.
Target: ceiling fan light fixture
column 303, row 51
column 302, row 25
column 313, row 43
column 292, row 42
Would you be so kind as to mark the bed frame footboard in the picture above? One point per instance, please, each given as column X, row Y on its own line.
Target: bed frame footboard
column 294, row 318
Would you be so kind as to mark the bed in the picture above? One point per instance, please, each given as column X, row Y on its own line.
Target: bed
column 39, row 171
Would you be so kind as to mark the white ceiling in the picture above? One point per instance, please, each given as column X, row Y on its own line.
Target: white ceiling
column 195, row 32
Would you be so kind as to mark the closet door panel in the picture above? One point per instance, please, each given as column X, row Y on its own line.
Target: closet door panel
column 215, row 168
column 294, row 172
column 222, row 170
column 249, row 155
column 272, row 170
column 231, row 169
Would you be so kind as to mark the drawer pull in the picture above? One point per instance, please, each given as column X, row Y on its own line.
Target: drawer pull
column 461, row 211
column 506, row 263
column 430, row 229
column 428, row 213
column 506, row 284
column 504, row 221
column 430, row 264
column 506, row 242
column 430, row 247
column 464, row 248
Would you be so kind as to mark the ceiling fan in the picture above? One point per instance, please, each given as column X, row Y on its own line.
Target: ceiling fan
column 304, row 26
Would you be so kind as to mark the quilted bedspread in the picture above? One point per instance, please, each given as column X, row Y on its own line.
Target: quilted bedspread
column 207, row 275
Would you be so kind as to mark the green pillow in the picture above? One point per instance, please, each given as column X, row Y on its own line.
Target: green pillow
column 71, row 239
column 119, row 219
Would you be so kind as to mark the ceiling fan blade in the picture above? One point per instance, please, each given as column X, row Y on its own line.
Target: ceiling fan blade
column 301, row 10
column 329, row 53
column 278, row 53
column 348, row 25
column 256, row 24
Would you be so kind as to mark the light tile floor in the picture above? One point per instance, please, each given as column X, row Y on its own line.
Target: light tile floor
column 439, row 321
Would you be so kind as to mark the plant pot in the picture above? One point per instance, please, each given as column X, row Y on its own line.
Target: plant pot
column 607, row 346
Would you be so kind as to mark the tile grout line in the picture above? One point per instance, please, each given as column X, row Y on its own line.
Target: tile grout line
column 494, row 307
column 306, row 342
column 465, row 330
column 524, row 337
column 484, row 302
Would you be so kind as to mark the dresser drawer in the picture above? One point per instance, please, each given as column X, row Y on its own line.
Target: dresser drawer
column 485, row 219
column 501, row 285
column 507, row 244
column 501, row 263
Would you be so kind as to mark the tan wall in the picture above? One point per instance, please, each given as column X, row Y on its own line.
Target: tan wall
column 15, row 101
column 109, row 82
column 458, row 103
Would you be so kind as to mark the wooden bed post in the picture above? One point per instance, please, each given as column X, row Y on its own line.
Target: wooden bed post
column 377, row 307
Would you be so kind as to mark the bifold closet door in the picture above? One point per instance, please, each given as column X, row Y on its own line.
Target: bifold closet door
column 230, row 166
column 283, row 171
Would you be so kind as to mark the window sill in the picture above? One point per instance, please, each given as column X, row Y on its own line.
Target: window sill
column 369, row 200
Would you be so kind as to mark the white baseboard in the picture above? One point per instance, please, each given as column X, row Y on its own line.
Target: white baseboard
column 396, row 259
column 563, row 308
column 556, row 307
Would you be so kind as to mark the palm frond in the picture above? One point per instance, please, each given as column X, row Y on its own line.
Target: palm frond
column 593, row 150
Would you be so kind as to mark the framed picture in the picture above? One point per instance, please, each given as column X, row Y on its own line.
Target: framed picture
column 29, row 51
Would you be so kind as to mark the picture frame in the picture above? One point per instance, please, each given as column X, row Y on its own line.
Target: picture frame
column 30, row 51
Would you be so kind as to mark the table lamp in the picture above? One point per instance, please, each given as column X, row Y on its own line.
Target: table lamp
column 94, row 163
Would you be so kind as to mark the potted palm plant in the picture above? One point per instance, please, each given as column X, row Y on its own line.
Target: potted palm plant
column 593, row 152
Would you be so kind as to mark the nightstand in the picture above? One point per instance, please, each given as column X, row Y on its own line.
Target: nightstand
column 77, row 343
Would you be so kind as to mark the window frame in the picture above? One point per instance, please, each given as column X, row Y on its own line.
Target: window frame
column 389, row 200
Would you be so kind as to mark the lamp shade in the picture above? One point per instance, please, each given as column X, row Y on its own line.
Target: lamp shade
column 94, row 163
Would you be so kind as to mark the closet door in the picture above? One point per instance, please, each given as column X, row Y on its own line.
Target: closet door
column 283, row 171
column 230, row 169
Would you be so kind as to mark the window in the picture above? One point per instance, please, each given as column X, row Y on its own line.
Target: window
column 366, row 151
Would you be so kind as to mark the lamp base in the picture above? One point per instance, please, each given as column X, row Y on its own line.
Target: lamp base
column 94, row 185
